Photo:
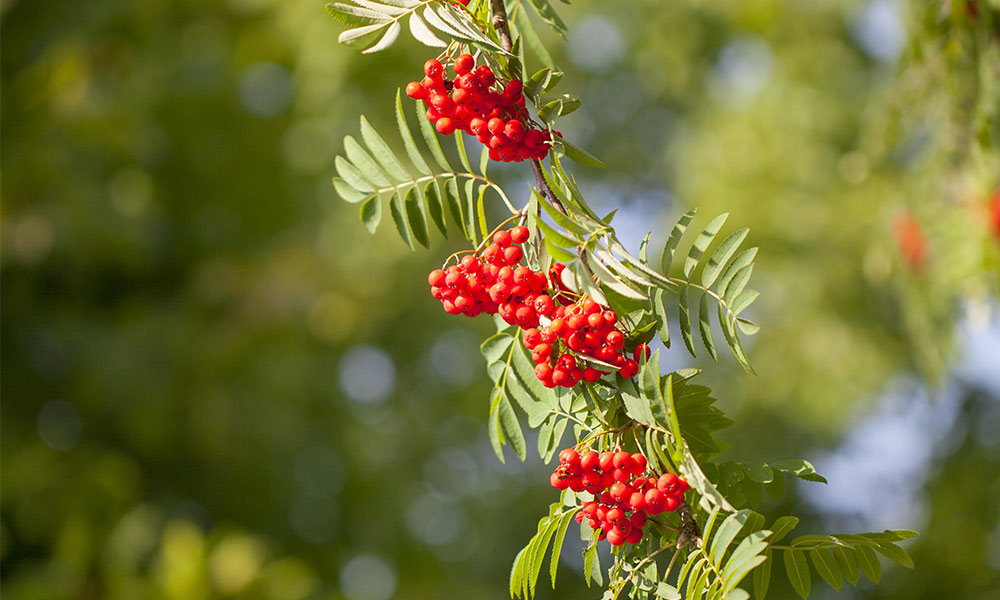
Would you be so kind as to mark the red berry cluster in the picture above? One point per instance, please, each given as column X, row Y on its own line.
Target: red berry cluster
column 586, row 328
column 469, row 103
column 494, row 282
column 623, row 497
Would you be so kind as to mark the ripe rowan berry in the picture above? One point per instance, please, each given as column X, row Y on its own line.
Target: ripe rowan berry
column 433, row 68
column 464, row 64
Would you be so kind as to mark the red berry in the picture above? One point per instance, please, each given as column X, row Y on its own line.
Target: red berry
column 569, row 457
column 638, row 519
column 513, row 88
column 607, row 461
column 616, row 538
column 591, row 481
column 544, row 305
column 514, row 130
column 634, row 536
column 495, row 125
column 621, row 457
column 445, row 126
column 442, row 103
column 595, row 320
column 477, row 126
column 415, row 90
column 543, row 371
column 589, row 461
column 433, row 68
column 639, row 463
column 531, row 338
column 666, row 482
column 558, row 483
column 519, row 234
column 436, row 277
column 470, row 264
column 463, row 64
column 512, row 255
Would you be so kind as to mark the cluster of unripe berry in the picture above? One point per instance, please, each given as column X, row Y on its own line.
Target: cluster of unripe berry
column 494, row 282
column 623, row 497
column 585, row 328
column 469, row 103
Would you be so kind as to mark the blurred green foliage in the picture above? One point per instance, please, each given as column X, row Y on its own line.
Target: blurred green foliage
column 197, row 397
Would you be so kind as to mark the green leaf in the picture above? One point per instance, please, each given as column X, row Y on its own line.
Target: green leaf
column 360, row 36
column 762, row 578
column 517, row 573
column 684, row 319
column 782, row 526
column 558, row 253
column 735, row 287
column 665, row 591
column 610, row 279
column 415, row 216
column 416, row 158
column 423, row 34
column 352, row 15
column 675, row 237
column 348, row 192
column 803, row 469
column 387, row 40
column 868, row 561
column 434, row 206
column 848, row 563
column 616, row 265
column 895, row 553
column 591, row 565
column 484, row 159
column 742, row 260
column 745, row 558
column 512, row 429
column 365, row 163
column 493, row 427
column 398, row 212
column 560, row 219
column 636, row 407
column 557, row 545
column 371, row 213
column 581, row 156
column 726, row 534
column 455, row 205
column 827, row 567
column 381, row 151
column 352, row 175
column 469, row 205
column 481, row 210
column 462, row 154
column 747, row 327
column 797, row 570
column 721, row 257
column 564, row 240
column 705, row 326
column 430, row 138
column 702, row 242
column 744, row 300
column 496, row 347
column 660, row 311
